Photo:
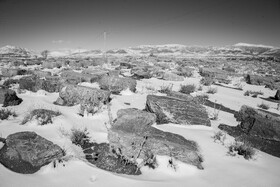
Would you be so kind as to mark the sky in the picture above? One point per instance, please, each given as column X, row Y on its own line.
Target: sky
column 60, row 24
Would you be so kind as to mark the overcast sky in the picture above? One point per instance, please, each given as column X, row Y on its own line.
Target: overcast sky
column 54, row 24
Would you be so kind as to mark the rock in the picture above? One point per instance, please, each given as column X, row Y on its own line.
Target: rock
column 141, row 74
column 259, row 123
column 95, row 74
column 91, row 99
column 41, row 74
column 9, row 98
column 172, row 77
column 13, row 72
column 34, row 83
column 268, row 82
column 277, row 95
column 117, row 84
column 103, row 157
column 133, row 136
column 185, row 111
column 258, row 127
column 76, row 77
column 26, row 152
column 217, row 74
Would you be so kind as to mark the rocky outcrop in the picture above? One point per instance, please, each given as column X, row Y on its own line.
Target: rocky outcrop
column 34, row 83
column 95, row 74
column 277, row 95
column 103, row 157
column 27, row 152
column 91, row 99
column 268, row 82
column 9, row 98
column 117, row 84
column 172, row 77
column 177, row 109
column 133, row 136
column 216, row 74
column 259, row 127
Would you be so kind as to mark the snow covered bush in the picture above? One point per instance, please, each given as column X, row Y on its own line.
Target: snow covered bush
column 241, row 148
column 79, row 136
column 264, row 106
column 212, row 90
column 166, row 88
column 187, row 89
column 206, row 81
column 219, row 136
column 43, row 116
column 202, row 98
column 6, row 113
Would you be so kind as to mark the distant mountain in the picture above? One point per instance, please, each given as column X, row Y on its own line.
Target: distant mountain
column 15, row 51
column 176, row 50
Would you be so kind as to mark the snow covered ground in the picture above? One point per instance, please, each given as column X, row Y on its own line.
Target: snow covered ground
column 220, row 169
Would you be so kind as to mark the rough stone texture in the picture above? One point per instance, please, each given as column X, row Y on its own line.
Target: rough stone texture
column 277, row 95
column 27, row 152
column 133, row 136
column 268, row 82
column 6, row 72
column 117, row 84
column 185, row 111
column 217, row 74
column 41, row 74
column 260, row 128
column 34, row 83
column 76, row 77
column 95, row 74
column 9, row 98
column 91, row 99
column 103, row 157
column 259, row 123
column 172, row 77
column 141, row 74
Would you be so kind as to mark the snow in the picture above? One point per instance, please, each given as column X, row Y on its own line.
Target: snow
column 253, row 45
column 220, row 169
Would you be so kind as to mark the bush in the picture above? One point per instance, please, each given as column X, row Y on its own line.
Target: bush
column 43, row 116
column 9, row 82
column 212, row 90
column 187, row 89
column 264, row 106
column 206, row 81
column 219, row 136
column 79, row 136
column 6, row 113
column 166, row 88
column 253, row 93
column 202, row 98
column 241, row 148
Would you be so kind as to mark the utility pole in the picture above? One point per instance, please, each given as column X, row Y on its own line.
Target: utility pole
column 104, row 52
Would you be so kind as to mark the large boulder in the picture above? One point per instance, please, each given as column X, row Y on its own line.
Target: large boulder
column 9, row 98
column 76, row 77
column 117, row 84
column 177, row 109
column 27, row 152
column 260, row 128
column 91, row 99
column 277, row 95
column 268, row 82
column 34, row 83
column 133, row 136
column 7, row 72
column 172, row 77
column 95, row 74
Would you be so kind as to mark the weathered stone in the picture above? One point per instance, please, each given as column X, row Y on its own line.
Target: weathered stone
column 95, row 74
column 9, row 98
column 259, row 128
column 259, row 123
column 78, row 77
column 117, row 84
column 268, row 82
column 172, row 77
column 27, row 152
column 6, row 72
column 103, row 157
column 34, row 83
column 277, row 95
column 177, row 110
column 91, row 99
column 41, row 74
column 141, row 74
column 133, row 136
